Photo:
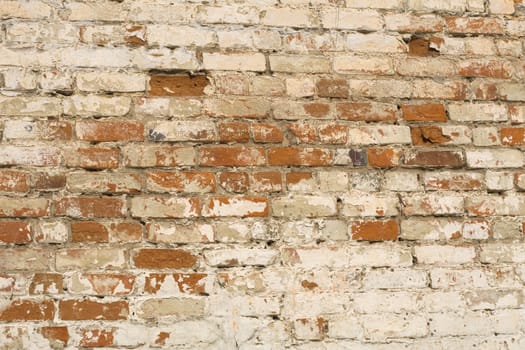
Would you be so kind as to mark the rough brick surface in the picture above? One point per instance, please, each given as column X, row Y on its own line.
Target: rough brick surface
column 292, row 174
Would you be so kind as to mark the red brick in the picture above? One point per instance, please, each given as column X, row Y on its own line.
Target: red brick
column 266, row 181
column 316, row 109
column 164, row 259
column 334, row 134
column 191, row 283
column 428, row 135
column 303, row 132
column 14, row 181
column 46, row 283
column 267, row 133
column 93, row 158
column 375, row 230
column 90, row 207
column 488, row 69
column 424, row 113
column 366, row 111
column 236, row 182
column 56, row 130
column 327, row 87
column 475, row 25
column 294, row 156
column 512, row 136
column 110, row 131
column 78, row 310
column 177, row 85
column 28, row 310
column 246, row 206
column 435, row 158
column 232, row 156
column 17, row 232
column 97, row 338
column 43, row 181
column 57, row 335
column 108, row 283
column 234, row 132
column 88, row 232
column 294, row 178
column 384, row 157
column 181, row 181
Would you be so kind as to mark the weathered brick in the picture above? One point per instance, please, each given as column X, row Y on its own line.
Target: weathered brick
column 494, row 158
column 109, row 131
column 299, row 156
column 232, row 156
column 92, row 157
column 366, row 111
column 233, row 132
column 424, row 113
column 88, row 259
column 236, row 206
column 381, row 135
column 18, row 232
column 118, row 82
column 143, row 156
column 76, row 310
column 104, row 182
column 96, row 106
column 241, row 61
column 167, row 232
column 90, row 207
column 433, row 204
column 304, row 205
column 431, row 135
column 27, row 310
column 431, row 158
column 177, row 85
column 164, row 207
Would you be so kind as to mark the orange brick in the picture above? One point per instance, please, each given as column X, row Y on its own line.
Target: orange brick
column 234, row 132
column 177, row 85
column 78, row 310
column 366, row 111
column 384, row 157
column 18, row 232
column 90, row 207
column 163, row 259
column 110, row 131
column 266, row 181
column 28, row 310
column 424, row 113
column 267, row 133
column 375, row 230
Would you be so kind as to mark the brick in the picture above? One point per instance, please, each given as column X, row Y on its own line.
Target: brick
column 384, row 157
column 77, row 310
column 240, row 108
column 25, row 259
column 494, row 158
column 474, row 25
column 167, row 232
column 232, row 156
column 107, row 34
column 333, row 134
column 431, row 135
column 380, row 43
column 456, row 181
column 17, row 232
column 266, row 181
column 97, row 337
column 332, row 88
column 109, row 82
column 51, row 232
column 236, row 182
column 360, row 20
column 167, row 107
column 412, row 23
column 492, row 205
column 450, row 90
column 90, row 259
column 143, row 156
column 90, row 207
column 266, row 133
column 92, row 158
column 502, row 7
column 381, row 135
column 57, row 335
column 89, row 231
column 236, row 206
column 180, row 181
column 298, row 110
column 109, row 131
column 165, row 59
column 421, row 47
column 33, row 156
column 512, row 136
column 233, row 132
column 46, row 283
column 234, row 62
column 240, row 257
column 24, row 207
column 431, row 158
column 299, row 156
column 190, row 283
column 446, row 255
column 498, row 69
column 289, row 17
column 163, row 259
column 299, row 181
column 426, row 67
column 27, row 310
column 375, row 230
column 181, row 131
column 14, row 181
column 104, row 182
column 304, row 205
column 366, row 111
column 394, row 325
column 101, row 284
column 424, row 113
column 433, row 204
column 365, row 65
column 96, row 106
column 177, row 85
column 477, row 112
column 164, row 207
column 299, row 64
column 371, row 205
column 173, row 36
column 395, row 279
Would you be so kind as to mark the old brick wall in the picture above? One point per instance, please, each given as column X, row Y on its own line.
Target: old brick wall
column 262, row 174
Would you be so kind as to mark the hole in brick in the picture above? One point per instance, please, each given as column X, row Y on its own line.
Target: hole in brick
column 177, row 85
column 422, row 47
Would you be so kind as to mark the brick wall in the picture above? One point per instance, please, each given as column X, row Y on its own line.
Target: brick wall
column 263, row 174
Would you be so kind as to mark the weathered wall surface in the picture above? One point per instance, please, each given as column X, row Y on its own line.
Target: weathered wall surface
column 304, row 174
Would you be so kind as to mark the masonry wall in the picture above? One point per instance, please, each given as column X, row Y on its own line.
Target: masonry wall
column 324, row 174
